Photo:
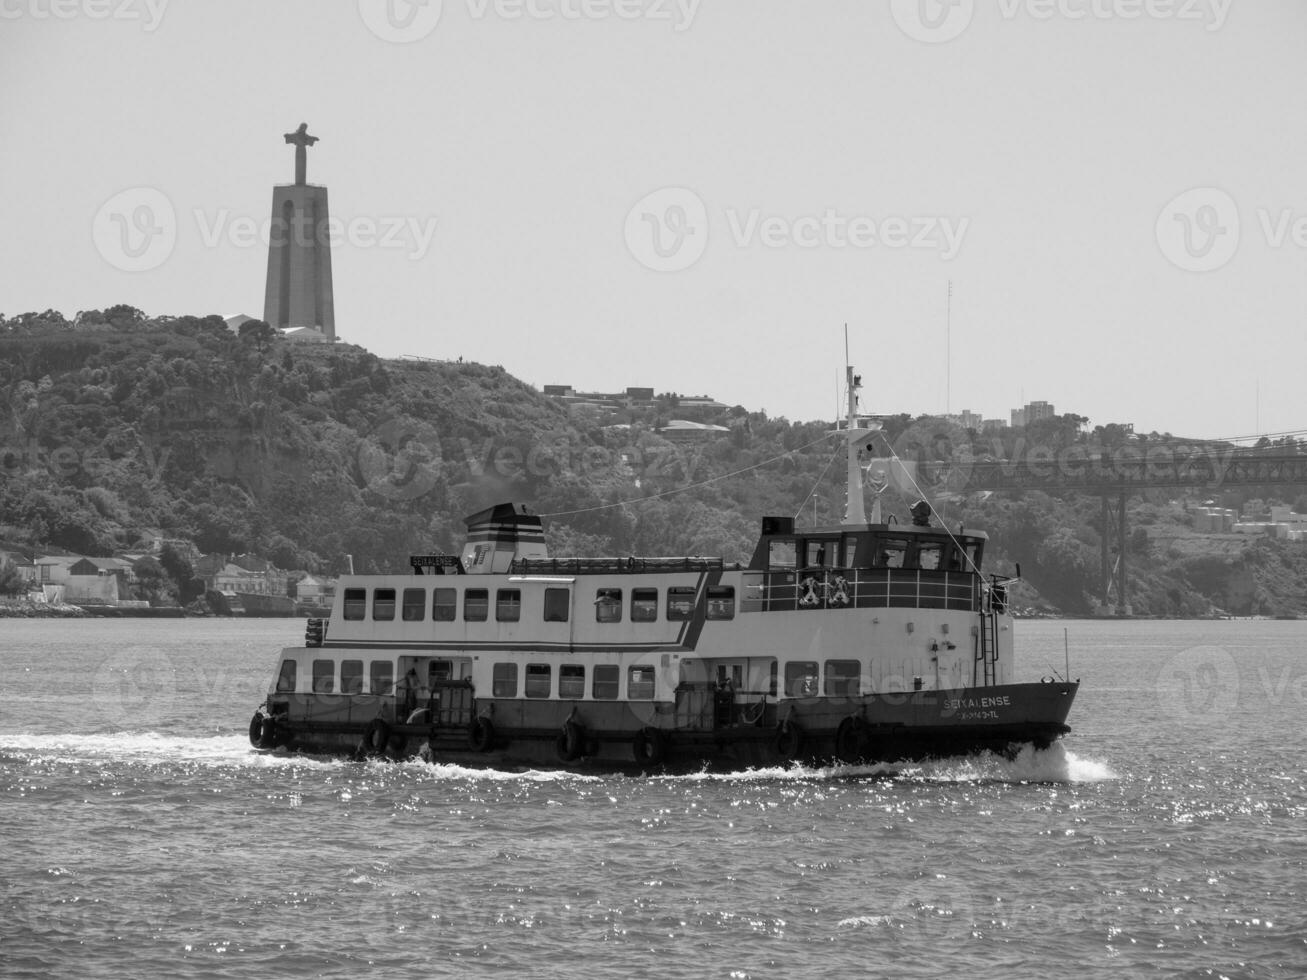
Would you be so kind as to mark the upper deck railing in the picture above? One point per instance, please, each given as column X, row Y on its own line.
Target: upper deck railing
column 861, row 588
column 612, row 566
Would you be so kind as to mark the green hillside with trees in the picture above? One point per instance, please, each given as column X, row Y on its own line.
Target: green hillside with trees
column 119, row 427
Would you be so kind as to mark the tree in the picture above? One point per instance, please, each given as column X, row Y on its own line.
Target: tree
column 257, row 332
column 11, row 580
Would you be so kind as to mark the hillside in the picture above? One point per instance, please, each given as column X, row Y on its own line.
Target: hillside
column 122, row 427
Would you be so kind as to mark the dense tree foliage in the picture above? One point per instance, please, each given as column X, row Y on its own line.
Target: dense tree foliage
column 117, row 427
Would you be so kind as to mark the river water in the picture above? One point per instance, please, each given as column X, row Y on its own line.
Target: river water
column 1165, row 837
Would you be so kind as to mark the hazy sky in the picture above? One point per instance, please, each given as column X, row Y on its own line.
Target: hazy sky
column 696, row 195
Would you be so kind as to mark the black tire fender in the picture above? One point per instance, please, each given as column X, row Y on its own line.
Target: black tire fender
column 649, row 746
column 376, row 738
column 481, row 736
column 789, row 741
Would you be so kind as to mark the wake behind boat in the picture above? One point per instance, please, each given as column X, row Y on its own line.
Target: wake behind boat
column 860, row 642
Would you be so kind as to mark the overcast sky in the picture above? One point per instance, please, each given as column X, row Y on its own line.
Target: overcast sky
column 697, row 195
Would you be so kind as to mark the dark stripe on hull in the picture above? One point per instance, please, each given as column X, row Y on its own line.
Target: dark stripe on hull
column 872, row 729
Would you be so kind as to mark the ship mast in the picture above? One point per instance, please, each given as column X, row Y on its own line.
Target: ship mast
column 855, row 432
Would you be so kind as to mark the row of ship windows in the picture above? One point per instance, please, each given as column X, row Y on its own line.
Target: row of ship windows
column 608, row 603
column 803, row 678
column 604, row 686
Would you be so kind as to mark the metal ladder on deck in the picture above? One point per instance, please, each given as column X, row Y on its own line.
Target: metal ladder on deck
column 985, row 668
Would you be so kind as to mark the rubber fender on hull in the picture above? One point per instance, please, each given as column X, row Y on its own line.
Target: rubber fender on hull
column 789, row 741
column 849, row 739
column 570, row 743
column 481, row 736
column 376, row 738
column 263, row 731
column 649, row 746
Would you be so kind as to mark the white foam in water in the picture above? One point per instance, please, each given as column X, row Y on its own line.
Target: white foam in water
column 150, row 748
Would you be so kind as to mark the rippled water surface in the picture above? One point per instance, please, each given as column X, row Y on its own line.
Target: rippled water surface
column 1166, row 837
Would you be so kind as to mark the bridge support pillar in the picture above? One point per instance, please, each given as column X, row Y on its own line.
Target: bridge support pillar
column 1114, row 572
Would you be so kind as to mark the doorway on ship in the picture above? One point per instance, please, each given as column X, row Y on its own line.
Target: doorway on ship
column 729, row 679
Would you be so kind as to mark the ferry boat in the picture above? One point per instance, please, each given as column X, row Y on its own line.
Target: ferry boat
column 867, row 641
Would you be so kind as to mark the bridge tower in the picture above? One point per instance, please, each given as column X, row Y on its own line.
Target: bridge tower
column 1114, row 572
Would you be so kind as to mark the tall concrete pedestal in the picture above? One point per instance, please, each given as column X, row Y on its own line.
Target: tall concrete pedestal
column 299, row 292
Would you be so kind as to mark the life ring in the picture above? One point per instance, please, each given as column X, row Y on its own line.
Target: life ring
column 649, row 746
column 376, row 739
column 481, row 736
column 789, row 741
column 848, row 739
column 570, row 743
column 841, row 597
column 809, row 597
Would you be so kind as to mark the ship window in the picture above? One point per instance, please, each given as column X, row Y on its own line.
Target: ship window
column 415, row 605
column 801, row 679
column 383, row 604
column 771, row 680
column 721, row 602
column 890, row 552
column 821, row 554
column 439, row 670
column 356, row 601
column 324, row 676
column 929, row 554
column 781, row 553
column 680, row 602
column 508, row 605
column 608, row 606
column 476, row 605
column 444, row 605
column 644, row 605
column 538, row 680
column 286, row 679
column 640, row 684
column 504, row 682
column 381, row 676
column 557, row 602
column 606, row 679
column 351, row 677
column 571, row 681
column 843, row 678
